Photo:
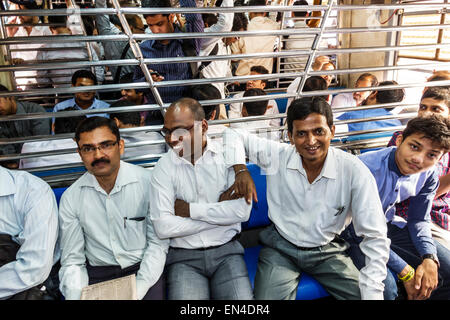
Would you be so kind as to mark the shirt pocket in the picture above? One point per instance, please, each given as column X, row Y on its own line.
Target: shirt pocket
column 135, row 232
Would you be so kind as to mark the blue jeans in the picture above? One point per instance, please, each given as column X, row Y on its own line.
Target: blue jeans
column 402, row 245
column 218, row 273
column 359, row 259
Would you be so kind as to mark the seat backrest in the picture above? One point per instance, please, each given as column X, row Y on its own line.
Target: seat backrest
column 259, row 214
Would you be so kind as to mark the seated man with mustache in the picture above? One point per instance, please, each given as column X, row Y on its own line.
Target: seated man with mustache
column 105, row 226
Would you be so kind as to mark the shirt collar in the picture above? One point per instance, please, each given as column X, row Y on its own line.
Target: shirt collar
column 20, row 108
column 124, row 177
column 392, row 165
column 7, row 185
column 329, row 167
column 211, row 146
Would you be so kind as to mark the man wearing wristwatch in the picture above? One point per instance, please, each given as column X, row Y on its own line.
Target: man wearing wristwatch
column 408, row 172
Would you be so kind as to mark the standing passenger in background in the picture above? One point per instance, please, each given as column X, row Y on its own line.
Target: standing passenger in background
column 168, row 48
column 115, row 50
column 24, row 52
column 258, row 22
column 64, row 51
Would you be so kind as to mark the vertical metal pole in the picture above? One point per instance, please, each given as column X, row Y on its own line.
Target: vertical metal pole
column 88, row 47
column 5, row 48
column 137, row 52
column 280, row 41
column 314, row 48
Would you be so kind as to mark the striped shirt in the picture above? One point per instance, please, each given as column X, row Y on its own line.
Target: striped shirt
column 439, row 210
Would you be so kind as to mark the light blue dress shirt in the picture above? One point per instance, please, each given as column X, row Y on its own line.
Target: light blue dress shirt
column 109, row 230
column 97, row 104
column 28, row 212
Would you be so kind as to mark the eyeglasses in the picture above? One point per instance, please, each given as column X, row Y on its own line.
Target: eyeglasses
column 104, row 146
column 166, row 133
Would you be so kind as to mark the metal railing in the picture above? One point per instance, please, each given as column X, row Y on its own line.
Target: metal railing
column 279, row 94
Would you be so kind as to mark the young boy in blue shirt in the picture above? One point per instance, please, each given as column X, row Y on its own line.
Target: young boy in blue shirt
column 407, row 171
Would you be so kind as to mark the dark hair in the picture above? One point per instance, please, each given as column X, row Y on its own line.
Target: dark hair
column 127, row 78
column 301, row 108
column 255, row 108
column 155, row 4
column 209, row 18
column 257, row 2
column 207, row 92
column 260, row 70
column 83, row 74
column 390, row 96
column 92, row 123
column 68, row 124
column 193, row 105
column 133, row 118
column 60, row 20
column 434, row 127
column 240, row 21
column 3, row 88
column 300, row 13
column 368, row 76
column 438, row 93
column 315, row 83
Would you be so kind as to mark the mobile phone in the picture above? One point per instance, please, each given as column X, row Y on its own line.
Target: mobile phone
column 155, row 73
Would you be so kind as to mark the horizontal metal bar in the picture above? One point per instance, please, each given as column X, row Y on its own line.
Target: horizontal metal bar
column 181, row 10
column 190, row 35
column 67, row 65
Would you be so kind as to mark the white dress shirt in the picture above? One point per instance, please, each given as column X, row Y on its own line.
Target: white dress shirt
column 258, row 45
column 29, row 214
column 312, row 214
column 51, row 145
column 260, row 127
column 236, row 109
column 218, row 68
column 26, row 77
column 144, row 150
column 94, row 227
column 211, row 223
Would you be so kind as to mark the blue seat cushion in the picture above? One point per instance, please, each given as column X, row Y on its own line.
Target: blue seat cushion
column 308, row 287
column 259, row 214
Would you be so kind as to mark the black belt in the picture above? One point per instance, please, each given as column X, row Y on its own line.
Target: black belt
column 303, row 248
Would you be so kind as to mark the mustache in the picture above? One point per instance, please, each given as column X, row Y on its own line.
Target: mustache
column 95, row 162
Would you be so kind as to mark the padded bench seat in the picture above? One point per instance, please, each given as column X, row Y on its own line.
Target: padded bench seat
column 308, row 287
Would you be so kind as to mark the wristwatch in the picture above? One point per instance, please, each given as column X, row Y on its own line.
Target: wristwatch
column 432, row 257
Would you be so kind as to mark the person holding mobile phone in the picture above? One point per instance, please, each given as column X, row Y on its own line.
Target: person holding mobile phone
column 168, row 48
